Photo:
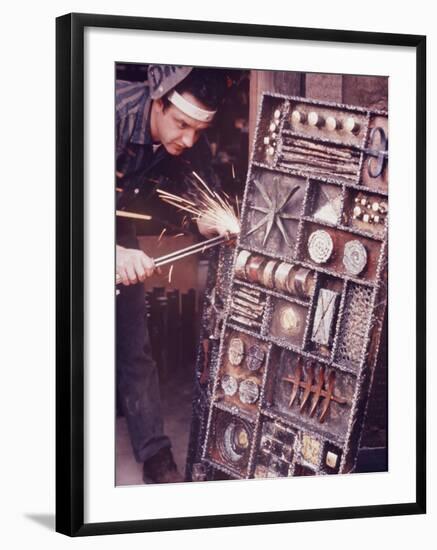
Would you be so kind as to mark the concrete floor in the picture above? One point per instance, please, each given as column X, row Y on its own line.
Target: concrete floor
column 176, row 400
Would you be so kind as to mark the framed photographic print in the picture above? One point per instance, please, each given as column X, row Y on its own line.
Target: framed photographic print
column 240, row 279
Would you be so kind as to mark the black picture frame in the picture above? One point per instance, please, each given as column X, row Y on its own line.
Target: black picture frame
column 70, row 273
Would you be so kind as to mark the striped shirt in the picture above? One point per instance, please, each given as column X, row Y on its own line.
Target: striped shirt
column 134, row 144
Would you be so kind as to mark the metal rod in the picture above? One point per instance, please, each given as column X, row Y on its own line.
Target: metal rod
column 133, row 215
column 215, row 240
column 189, row 251
column 308, row 159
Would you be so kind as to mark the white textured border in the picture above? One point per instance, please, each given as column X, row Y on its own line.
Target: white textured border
column 105, row 502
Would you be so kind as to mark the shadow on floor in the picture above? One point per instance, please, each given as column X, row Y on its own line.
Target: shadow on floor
column 46, row 520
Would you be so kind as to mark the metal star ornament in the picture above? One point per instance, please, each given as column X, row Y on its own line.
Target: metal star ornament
column 274, row 212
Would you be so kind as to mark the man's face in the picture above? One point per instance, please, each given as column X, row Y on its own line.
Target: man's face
column 173, row 128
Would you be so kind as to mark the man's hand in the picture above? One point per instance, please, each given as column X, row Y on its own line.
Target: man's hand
column 133, row 266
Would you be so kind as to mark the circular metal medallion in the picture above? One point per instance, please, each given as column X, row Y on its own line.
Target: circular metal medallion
column 255, row 358
column 229, row 444
column 289, row 320
column 234, row 442
column 249, row 391
column 236, row 351
column 320, row 246
column 229, row 385
column 355, row 257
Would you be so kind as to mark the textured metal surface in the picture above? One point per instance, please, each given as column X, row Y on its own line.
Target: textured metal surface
column 324, row 316
column 353, row 331
column 310, row 316
column 354, row 257
column 320, row 246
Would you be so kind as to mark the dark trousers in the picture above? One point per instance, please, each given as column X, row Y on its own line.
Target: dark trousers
column 137, row 377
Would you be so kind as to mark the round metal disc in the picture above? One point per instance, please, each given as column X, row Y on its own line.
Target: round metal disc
column 289, row 320
column 236, row 351
column 320, row 246
column 355, row 257
column 229, row 385
column 255, row 357
column 249, row 391
column 234, row 442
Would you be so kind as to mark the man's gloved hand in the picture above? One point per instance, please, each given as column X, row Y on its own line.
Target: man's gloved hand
column 133, row 266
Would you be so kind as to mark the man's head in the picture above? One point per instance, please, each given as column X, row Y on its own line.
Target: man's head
column 182, row 114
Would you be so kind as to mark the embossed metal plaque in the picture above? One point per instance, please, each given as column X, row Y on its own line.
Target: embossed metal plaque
column 320, row 246
column 324, row 316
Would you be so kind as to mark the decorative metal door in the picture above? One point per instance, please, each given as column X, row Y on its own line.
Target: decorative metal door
column 294, row 314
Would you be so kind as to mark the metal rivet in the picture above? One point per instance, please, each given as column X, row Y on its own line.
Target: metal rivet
column 313, row 118
column 331, row 123
column 351, row 125
column 296, row 117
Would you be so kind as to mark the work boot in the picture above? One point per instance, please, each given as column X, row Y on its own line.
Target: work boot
column 161, row 468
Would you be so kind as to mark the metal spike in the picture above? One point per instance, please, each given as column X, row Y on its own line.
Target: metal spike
column 328, row 397
column 296, row 385
column 308, row 386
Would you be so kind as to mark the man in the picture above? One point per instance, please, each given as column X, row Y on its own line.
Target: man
column 159, row 137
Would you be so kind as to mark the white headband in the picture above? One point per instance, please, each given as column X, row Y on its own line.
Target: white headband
column 190, row 109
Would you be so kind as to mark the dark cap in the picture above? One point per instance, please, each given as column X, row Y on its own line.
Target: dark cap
column 162, row 78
